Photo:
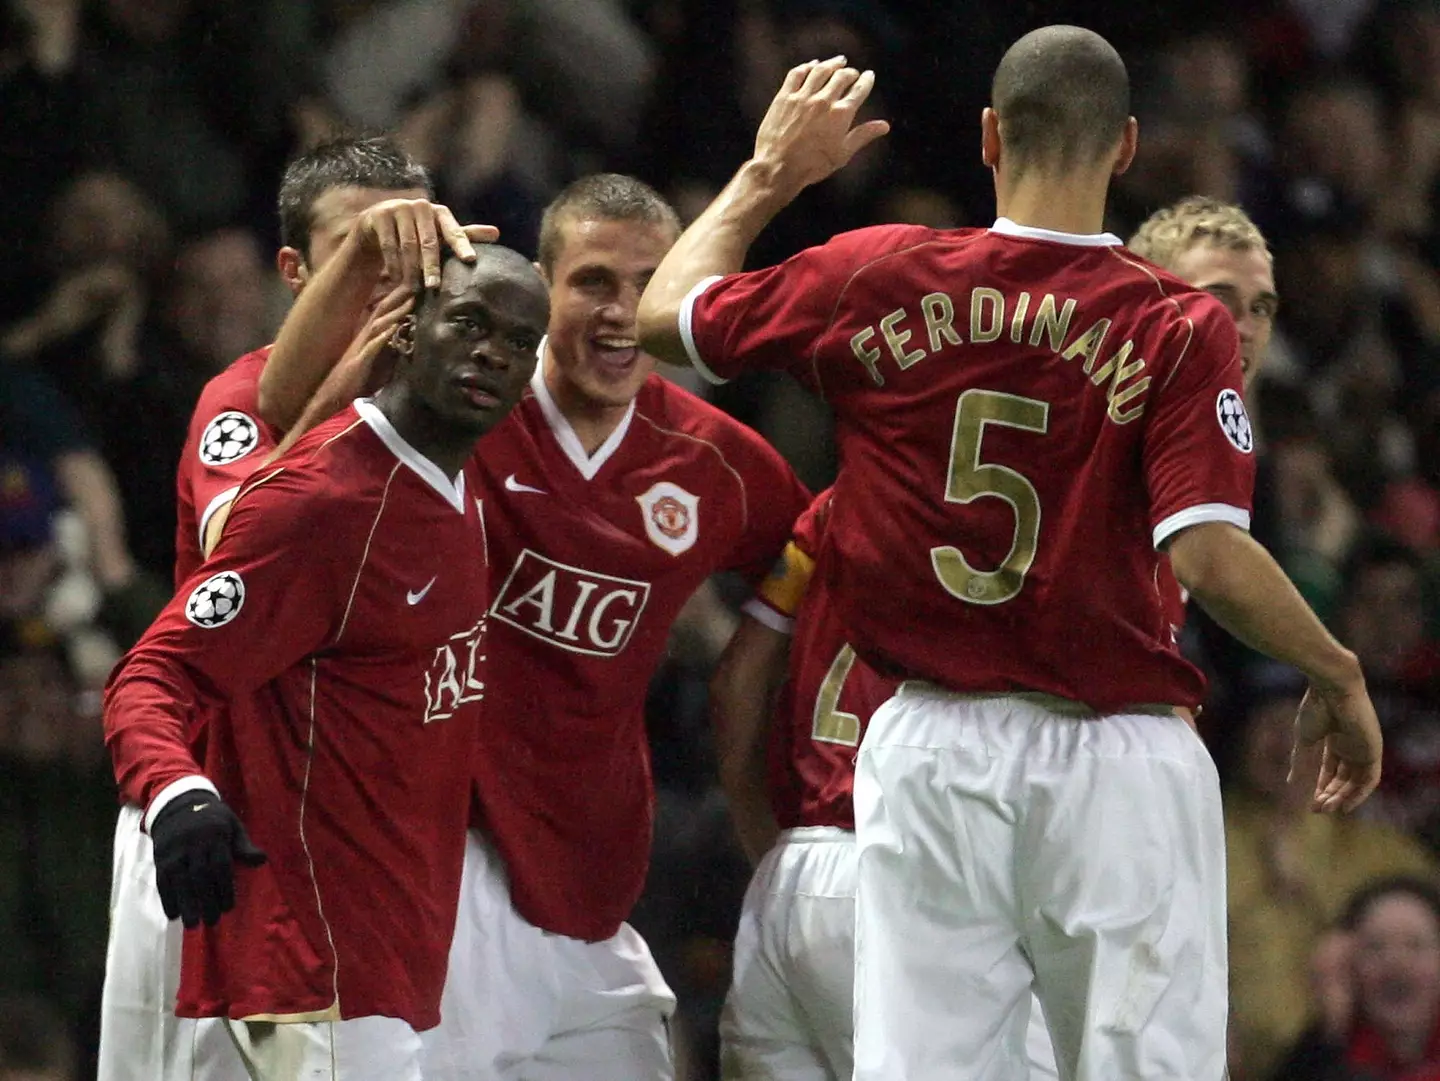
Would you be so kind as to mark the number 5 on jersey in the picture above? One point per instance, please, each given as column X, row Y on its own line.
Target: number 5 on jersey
column 970, row 480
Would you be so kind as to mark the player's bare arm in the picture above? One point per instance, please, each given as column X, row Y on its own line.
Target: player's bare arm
column 1237, row 582
column 808, row 133
column 742, row 697
column 398, row 240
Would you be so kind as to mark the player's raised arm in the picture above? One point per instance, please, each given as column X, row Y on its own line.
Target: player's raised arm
column 807, row 134
column 398, row 241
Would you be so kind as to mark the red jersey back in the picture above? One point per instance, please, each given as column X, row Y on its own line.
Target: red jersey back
column 225, row 442
column 337, row 638
column 823, row 708
column 1024, row 418
column 593, row 559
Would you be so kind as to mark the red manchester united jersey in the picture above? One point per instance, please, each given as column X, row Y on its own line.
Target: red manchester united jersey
column 336, row 639
column 225, row 442
column 593, row 558
column 1024, row 418
column 823, row 707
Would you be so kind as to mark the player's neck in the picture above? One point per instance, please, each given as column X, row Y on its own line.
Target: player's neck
column 592, row 422
column 1061, row 205
column 419, row 427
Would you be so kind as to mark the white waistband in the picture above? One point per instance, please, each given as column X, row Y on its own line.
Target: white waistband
column 814, row 834
column 1065, row 707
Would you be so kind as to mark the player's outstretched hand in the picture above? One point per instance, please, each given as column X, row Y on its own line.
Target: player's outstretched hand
column 198, row 840
column 407, row 233
column 808, row 131
column 1343, row 724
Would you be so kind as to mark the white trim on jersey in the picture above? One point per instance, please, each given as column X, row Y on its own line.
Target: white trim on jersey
column 587, row 464
column 453, row 491
column 174, row 790
column 227, row 496
column 1006, row 227
column 687, row 329
column 1204, row 512
column 766, row 616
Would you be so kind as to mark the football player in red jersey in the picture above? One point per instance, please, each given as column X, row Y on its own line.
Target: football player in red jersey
column 335, row 639
column 789, row 1008
column 612, row 496
column 320, row 195
column 1027, row 415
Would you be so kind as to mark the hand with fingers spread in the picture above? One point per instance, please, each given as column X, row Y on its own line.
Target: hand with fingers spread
column 809, row 131
column 1341, row 722
column 406, row 236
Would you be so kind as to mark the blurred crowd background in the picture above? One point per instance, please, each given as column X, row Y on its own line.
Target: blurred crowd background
column 141, row 142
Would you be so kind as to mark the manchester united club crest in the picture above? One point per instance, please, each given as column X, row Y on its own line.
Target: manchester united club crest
column 671, row 516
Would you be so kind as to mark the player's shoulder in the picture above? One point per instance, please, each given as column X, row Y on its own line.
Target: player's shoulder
column 872, row 243
column 673, row 410
column 1172, row 296
column 330, row 465
column 237, row 385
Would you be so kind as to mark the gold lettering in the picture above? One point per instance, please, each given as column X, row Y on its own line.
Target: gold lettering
column 896, row 340
column 1119, row 401
column 982, row 298
column 1047, row 322
column 1119, row 361
column 1088, row 344
column 939, row 314
column 867, row 355
column 1017, row 324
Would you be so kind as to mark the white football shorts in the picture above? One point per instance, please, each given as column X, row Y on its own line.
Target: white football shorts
column 522, row 1004
column 788, row 1016
column 141, row 1039
column 1011, row 841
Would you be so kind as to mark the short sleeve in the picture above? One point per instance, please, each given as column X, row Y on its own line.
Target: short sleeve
column 774, row 499
column 774, row 318
column 1199, row 446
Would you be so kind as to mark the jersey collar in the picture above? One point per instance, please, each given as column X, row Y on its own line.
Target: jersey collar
column 452, row 491
column 1006, row 227
column 590, row 464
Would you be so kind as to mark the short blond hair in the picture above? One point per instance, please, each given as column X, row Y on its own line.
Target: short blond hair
column 1197, row 219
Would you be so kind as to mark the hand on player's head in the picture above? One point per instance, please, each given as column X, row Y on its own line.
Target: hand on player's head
column 808, row 132
column 407, row 235
column 1343, row 724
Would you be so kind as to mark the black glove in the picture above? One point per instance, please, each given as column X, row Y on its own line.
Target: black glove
column 197, row 841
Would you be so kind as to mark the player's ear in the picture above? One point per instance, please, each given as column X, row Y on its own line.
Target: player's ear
column 402, row 338
column 291, row 264
column 1129, row 142
column 989, row 137
column 544, row 274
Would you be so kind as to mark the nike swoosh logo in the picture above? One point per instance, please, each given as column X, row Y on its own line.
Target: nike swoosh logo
column 513, row 485
column 419, row 595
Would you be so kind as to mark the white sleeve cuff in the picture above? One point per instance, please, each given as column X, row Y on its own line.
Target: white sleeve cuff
column 224, row 498
column 687, row 328
column 766, row 616
column 175, row 789
column 1205, row 512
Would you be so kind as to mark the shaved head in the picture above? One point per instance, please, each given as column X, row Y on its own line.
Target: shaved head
column 1062, row 96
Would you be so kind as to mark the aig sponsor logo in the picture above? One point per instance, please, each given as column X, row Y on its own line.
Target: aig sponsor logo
column 570, row 607
column 456, row 672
